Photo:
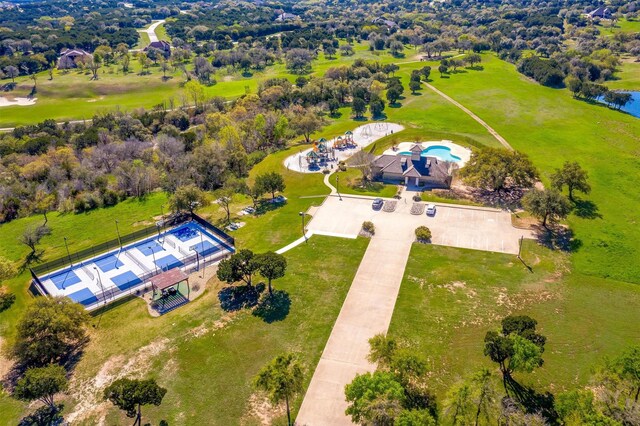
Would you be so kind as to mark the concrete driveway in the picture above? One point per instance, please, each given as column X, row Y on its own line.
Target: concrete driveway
column 457, row 226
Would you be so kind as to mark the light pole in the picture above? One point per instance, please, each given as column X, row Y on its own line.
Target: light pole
column 338, row 187
column 153, row 253
column 68, row 254
column 304, row 234
column 118, row 231
column 197, row 256
column 104, row 297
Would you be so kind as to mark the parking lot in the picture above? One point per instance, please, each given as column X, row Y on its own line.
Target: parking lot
column 456, row 226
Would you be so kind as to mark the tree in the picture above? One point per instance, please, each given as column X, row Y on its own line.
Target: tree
column 497, row 169
column 224, row 198
column 240, row 266
column 298, row 60
column 574, row 85
column 459, row 407
column 573, row 176
column 370, row 392
column 7, row 269
column 426, row 72
column 484, row 394
column 415, row 418
column 281, row 379
column 12, row 72
column 358, row 106
column 164, row 66
column 472, row 59
column 32, row 235
column 271, row 266
column 516, row 348
column 130, row 395
column 382, row 350
column 395, row 48
column 254, row 192
column 442, row 69
column 306, row 123
column 547, row 204
column 376, row 106
column 271, row 182
column 42, row 384
column 414, row 86
column 423, row 234
column 629, row 367
column 187, row 197
column 393, row 94
column 49, row 330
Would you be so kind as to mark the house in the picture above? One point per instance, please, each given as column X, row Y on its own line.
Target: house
column 161, row 45
column 286, row 17
column 413, row 169
column 383, row 21
column 70, row 57
column 601, row 12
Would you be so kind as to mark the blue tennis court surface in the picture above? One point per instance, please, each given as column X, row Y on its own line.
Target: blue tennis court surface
column 84, row 296
column 186, row 232
column 168, row 262
column 205, row 248
column 126, row 280
column 149, row 247
column 108, row 263
column 64, row 279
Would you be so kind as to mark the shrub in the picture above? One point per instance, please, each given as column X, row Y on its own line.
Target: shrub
column 6, row 300
column 369, row 227
column 342, row 167
column 423, row 234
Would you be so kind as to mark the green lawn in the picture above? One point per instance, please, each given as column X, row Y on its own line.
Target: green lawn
column 450, row 298
column 628, row 76
column 351, row 183
column 206, row 358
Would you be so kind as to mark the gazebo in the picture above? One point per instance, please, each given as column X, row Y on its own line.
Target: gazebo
column 167, row 284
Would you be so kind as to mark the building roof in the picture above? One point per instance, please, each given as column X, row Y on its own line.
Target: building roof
column 411, row 166
column 74, row 52
column 168, row 279
column 160, row 44
column 600, row 11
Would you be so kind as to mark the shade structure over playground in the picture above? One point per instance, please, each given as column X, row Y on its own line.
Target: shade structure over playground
column 168, row 279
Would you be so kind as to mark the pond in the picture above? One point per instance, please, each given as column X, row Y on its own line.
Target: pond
column 633, row 107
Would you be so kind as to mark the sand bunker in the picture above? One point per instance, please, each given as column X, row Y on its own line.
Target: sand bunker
column 17, row 101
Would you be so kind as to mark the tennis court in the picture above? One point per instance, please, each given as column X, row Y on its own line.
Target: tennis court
column 127, row 270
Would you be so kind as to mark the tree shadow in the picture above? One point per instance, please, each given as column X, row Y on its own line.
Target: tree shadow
column 265, row 206
column 336, row 114
column 363, row 118
column 247, row 74
column 586, row 209
column 416, row 93
column 395, row 105
column 379, row 117
column 273, row 307
column 532, row 401
column 459, row 71
column 557, row 237
column 9, row 87
column 30, row 259
column 476, row 68
column 45, row 415
column 234, row 298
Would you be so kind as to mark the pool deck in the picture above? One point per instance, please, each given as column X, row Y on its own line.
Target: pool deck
column 459, row 151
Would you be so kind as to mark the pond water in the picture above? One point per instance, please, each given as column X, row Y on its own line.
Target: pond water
column 633, row 107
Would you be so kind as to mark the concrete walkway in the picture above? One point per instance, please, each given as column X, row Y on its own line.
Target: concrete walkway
column 490, row 129
column 366, row 311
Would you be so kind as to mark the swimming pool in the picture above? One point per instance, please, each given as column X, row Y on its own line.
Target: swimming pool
column 440, row 152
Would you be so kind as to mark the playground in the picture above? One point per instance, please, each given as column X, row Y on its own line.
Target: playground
column 134, row 268
column 325, row 154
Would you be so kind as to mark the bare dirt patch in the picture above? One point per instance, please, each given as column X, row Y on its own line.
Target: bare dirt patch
column 88, row 392
column 260, row 408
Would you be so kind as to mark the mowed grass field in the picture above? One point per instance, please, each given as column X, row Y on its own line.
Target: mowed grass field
column 73, row 95
column 450, row 298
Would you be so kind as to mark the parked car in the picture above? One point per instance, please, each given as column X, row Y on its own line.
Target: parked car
column 249, row 210
column 431, row 209
column 377, row 203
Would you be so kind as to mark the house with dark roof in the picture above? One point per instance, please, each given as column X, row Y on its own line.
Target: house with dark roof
column 413, row 169
column 601, row 12
column 68, row 57
column 161, row 45
column 383, row 21
column 286, row 17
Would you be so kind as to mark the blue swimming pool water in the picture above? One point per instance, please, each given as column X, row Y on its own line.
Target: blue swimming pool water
column 440, row 152
column 632, row 107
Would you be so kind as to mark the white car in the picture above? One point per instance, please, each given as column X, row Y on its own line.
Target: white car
column 431, row 209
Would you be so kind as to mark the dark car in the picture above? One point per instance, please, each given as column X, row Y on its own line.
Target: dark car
column 377, row 203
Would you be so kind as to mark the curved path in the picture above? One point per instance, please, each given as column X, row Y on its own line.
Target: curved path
column 151, row 31
column 490, row 129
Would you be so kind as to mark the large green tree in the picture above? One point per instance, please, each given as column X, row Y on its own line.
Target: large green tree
column 42, row 383
column 281, row 379
column 271, row 182
column 49, row 330
column 573, row 177
column 188, row 198
column 547, row 205
column 496, row 169
column 239, row 266
column 271, row 266
column 130, row 395
column 374, row 398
